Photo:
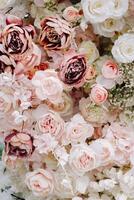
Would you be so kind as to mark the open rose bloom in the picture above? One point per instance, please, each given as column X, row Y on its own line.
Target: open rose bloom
column 67, row 99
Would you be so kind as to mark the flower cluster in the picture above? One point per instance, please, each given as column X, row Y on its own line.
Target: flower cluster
column 67, row 99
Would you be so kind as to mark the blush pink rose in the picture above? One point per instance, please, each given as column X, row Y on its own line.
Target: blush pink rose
column 73, row 69
column 40, row 182
column 82, row 159
column 98, row 94
column 71, row 14
column 77, row 130
column 48, row 86
column 51, row 123
column 56, row 33
column 110, row 69
column 19, row 144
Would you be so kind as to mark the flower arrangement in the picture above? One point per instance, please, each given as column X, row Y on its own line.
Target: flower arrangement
column 67, row 99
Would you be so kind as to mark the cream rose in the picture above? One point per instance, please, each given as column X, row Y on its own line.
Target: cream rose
column 120, row 8
column 77, row 130
column 5, row 103
column 82, row 159
column 48, row 86
column 98, row 94
column 40, row 182
column 97, row 10
column 71, row 14
column 123, row 49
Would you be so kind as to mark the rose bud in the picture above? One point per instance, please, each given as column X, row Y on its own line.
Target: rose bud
column 71, row 14
column 56, row 33
column 19, row 144
column 73, row 69
column 7, row 64
column 17, row 41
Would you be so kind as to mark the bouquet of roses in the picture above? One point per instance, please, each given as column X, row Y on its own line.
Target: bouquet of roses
column 67, row 99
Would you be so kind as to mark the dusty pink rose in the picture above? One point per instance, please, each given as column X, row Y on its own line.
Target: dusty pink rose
column 73, row 69
column 110, row 69
column 98, row 94
column 19, row 144
column 56, row 33
column 7, row 64
column 40, row 182
column 48, row 86
column 51, row 123
column 77, row 130
column 12, row 19
column 71, row 14
column 82, row 159
column 17, row 40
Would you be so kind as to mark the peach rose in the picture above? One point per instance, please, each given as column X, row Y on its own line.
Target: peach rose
column 71, row 14
column 51, row 123
column 77, row 130
column 98, row 94
column 110, row 69
column 40, row 182
column 5, row 103
column 82, row 159
column 56, row 33
column 48, row 86
column 73, row 69
column 19, row 144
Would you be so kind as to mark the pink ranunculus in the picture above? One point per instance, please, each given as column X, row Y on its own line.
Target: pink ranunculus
column 77, row 130
column 110, row 69
column 98, row 94
column 56, row 33
column 17, row 41
column 73, row 69
column 19, row 144
column 48, row 86
column 82, row 159
column 71, row 14
column 51, row 123
column 40, row 182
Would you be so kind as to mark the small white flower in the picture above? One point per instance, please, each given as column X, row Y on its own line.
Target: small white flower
column 19, row 118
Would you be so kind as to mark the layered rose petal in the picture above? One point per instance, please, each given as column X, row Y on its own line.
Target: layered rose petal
column 98, row 94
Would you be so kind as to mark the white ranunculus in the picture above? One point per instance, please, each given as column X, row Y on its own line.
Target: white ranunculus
column 108, row 27
column 123, row 49
column 96, row 11
column 6, row 3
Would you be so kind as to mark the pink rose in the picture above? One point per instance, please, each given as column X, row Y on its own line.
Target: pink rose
column 40, row 182
column 73, row 69
column 82, row 159
column 56, row 33
column 110, row 69
column 19, row 144
column 77, row 130
column 98, row 94
column 71, row 14
column 48, row 86
column 51, row 123
column 17, row 41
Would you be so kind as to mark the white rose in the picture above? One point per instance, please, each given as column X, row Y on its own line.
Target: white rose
column 120, row 8
column 77, row 130
column 96, row 11
column 108, row 27
column 123, row 49
column 82, row 159
column 48, row 86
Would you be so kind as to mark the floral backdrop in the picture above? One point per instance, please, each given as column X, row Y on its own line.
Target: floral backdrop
column 67, row 99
